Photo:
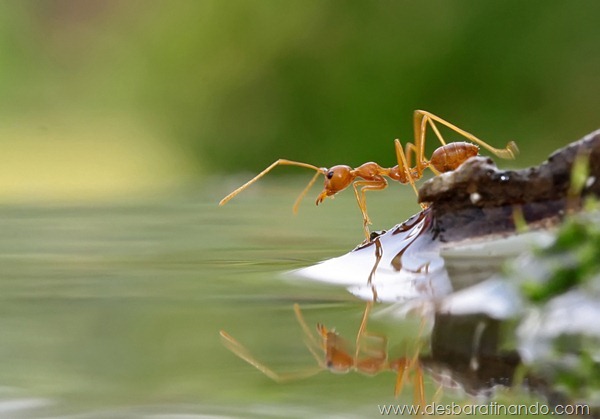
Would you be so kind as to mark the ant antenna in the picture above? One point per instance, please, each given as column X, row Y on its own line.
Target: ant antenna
column 283, row 162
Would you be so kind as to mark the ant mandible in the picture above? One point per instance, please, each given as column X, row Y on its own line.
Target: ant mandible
column 372, row 176
column 370, row 356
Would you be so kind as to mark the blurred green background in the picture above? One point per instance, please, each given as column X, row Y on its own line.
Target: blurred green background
column 121, row 122
column 107, row 98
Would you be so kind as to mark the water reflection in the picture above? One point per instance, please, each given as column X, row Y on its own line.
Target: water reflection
column 466, row 353
column 404, row 265
column 333, row 353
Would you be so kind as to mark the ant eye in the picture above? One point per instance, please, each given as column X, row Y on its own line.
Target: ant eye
column 330, row 174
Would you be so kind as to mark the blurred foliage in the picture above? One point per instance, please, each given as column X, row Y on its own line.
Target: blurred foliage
column 561, row 281
column 570, row 261
column 232, row 85
column 579, row 373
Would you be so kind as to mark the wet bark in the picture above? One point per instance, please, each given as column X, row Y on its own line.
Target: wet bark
column 478, row 199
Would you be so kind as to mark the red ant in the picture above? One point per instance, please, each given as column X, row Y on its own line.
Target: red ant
column 446, row 158
column 370, row 356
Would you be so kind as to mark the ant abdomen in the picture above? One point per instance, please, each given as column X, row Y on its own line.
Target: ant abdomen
column 448, row 157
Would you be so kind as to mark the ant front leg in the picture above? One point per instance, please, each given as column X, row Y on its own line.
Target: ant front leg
column 372, row 347
column 367, row 185
column 363, row 326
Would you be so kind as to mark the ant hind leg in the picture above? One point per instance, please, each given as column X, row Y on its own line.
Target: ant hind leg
column 509, row 152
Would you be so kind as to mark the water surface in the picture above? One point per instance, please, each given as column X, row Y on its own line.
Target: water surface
column 114, row 309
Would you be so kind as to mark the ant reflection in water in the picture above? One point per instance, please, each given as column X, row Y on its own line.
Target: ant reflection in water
column 331, row 352
column 446, row 158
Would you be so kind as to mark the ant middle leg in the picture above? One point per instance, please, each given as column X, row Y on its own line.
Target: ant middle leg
column 404, row 168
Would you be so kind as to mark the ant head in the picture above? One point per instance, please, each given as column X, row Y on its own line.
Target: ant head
column 337, row 358
column 337, row 179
